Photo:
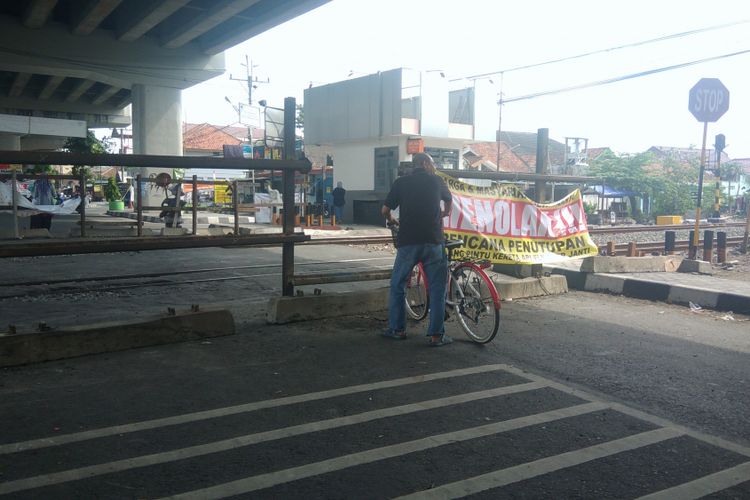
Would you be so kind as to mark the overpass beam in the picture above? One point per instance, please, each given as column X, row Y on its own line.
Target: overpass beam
column 37, row 12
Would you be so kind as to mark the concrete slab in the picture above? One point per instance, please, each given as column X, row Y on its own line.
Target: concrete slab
column 174, row 231
column 330, row 305
column 36, row 233
column 112, row 232
column 513, row 288
column 24, row 348
column 213, row 231
column 695, row 266
column 605, row 264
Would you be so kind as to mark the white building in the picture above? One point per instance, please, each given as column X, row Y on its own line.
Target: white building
column 375, row 122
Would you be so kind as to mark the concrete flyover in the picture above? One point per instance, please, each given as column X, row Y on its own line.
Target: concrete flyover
column 69, row 65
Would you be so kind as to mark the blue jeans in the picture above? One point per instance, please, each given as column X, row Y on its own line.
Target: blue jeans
column 338, row 212
column 435, row 264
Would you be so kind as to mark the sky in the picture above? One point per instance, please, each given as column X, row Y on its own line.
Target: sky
column 473, row 37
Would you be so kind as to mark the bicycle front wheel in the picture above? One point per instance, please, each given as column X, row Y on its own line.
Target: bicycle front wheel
column 417, row 299
column 476, row 302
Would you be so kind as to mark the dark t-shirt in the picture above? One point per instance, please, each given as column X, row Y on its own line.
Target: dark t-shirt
column 417, row 196
column 339, row 195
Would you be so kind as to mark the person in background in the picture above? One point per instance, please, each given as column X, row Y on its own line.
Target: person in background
column 339, row 200
column 43, row 194
column 420, row 239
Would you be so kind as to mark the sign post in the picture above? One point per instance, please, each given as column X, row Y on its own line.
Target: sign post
column 708, row 101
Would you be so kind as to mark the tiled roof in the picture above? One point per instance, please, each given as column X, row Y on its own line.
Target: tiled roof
column 206, row 137
column 484, row 153
column 524, row 145
column 594, row 153
column 686, row 155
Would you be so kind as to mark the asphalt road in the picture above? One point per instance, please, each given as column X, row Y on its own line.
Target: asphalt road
column 581, row 396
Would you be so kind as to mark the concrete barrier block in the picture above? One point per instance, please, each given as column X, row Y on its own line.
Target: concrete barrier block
column 695, row 266
column 604, row 282
column 24, row 348
column 530, row 287
column 290, row 309
column 652, row 264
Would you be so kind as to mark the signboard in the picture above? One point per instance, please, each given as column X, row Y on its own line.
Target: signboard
column 499, row 223
column 414, row 146
column 222, row 194
column 709, row 100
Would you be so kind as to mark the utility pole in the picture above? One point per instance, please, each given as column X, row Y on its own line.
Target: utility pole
column 252, row 82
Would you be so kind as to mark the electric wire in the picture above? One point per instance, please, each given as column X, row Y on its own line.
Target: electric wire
column 609, row 49
column 624, row 77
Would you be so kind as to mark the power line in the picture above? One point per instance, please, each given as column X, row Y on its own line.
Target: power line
column 610, row 49
column 624, row 77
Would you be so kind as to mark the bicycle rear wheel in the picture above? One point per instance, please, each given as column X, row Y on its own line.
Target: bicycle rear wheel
column 417, row 299
column 476, row 302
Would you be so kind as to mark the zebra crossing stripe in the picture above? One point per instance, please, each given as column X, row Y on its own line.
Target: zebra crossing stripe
column 250, row 439
column 542, row 466
column 271, row 479
column 34, row 444
column 705, row 485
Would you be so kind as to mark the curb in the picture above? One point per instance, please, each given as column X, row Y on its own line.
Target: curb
column 25, row 348
column 652, row 290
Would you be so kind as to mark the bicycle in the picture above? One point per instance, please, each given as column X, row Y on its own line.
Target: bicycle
column 469, row 292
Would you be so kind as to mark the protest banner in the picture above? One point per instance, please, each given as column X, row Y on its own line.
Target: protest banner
column 501, row 224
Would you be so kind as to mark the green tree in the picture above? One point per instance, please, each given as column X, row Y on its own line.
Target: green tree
column 666, row 183
column 673, row 184
column 88, row 144
column 731, row 172
column 624, row 172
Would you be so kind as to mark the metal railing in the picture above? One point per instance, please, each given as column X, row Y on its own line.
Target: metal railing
column 288, row 166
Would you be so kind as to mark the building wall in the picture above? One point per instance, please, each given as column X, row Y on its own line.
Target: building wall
column 357, row 109
column 354, row 162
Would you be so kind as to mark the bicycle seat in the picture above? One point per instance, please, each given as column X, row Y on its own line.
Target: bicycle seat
column 451, row 244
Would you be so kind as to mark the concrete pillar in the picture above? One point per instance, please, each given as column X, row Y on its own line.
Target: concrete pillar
column 157, row 130
column 8, row 227
column 10, row 142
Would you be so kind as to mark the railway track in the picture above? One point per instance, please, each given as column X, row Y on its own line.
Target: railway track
column 112, row 283
column 673, row 227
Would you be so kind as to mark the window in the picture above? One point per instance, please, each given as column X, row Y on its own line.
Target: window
column 444, row 158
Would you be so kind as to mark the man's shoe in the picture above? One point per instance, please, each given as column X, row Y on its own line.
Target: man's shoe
column 394, row 335
column 440, row 340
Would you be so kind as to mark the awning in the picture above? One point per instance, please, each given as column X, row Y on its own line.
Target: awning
column 609, row 192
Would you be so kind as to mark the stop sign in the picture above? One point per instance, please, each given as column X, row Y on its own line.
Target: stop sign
column 709, row 100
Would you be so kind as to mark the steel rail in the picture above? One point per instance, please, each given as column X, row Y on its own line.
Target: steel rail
column 116, row 245
column 674, row 227
column 654, row 246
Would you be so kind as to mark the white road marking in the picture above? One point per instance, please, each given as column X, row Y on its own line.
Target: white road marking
column 270, row 479
column 542, row 466
column 705, row 485
column 250, row 439
column 658, row 421
column 233, row 410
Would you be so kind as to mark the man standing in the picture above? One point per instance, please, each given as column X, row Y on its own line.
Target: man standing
column 420, row 239
column 339, row 200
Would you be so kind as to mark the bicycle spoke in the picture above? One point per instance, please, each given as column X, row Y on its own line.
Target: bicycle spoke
column 472, row 294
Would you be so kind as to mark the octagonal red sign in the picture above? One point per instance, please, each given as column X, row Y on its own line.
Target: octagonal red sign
column 709, row 100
